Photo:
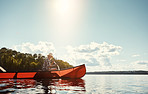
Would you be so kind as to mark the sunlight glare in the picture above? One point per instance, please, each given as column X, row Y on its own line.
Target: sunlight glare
column 65, row 15
column 62, row 6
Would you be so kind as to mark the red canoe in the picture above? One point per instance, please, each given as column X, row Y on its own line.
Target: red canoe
column 75, row 72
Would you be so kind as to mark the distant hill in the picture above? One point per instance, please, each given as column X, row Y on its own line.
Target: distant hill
column 120, row 72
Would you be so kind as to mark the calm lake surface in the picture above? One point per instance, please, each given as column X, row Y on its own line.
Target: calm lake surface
column 89, row 84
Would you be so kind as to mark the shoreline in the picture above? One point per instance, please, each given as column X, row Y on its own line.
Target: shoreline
column 120, row 72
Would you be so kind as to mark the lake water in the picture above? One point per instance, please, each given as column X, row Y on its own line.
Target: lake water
column 89, row 84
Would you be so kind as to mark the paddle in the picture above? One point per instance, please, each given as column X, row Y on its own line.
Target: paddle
column 2, row 69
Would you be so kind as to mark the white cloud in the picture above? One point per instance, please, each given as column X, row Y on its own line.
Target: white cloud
column 93, row 54
column 135, row 55
column 42, row 47
column 122, row 60
column 139, row 65
column 96, row 56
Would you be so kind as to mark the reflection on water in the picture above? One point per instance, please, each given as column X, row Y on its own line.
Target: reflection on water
column 63, row 86
column 46, row 86
column 90, row 84
column 116, row 84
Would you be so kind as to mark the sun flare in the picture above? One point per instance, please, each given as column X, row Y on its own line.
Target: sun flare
column 62, row 6
column 65, row 16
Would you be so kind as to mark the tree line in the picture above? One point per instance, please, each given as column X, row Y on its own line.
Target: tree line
column 12, row 60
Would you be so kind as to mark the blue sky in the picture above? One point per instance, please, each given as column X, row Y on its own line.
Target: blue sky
column 65, row 26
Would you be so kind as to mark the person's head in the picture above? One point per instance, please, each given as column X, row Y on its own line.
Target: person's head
column 50, row 55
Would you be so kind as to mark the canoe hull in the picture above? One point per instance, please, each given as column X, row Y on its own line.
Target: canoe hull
column 75, row 72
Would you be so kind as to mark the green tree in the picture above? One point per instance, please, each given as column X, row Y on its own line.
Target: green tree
column 12, row 60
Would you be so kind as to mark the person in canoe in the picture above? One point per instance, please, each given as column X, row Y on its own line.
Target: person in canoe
column 49, row 63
